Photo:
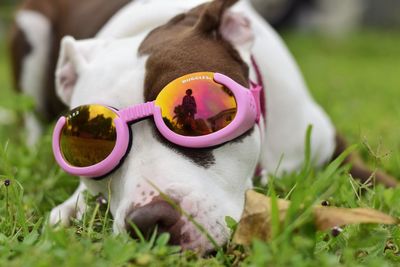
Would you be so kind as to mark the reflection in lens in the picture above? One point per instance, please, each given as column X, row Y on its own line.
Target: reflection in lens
column 89, row 135
column 195, row 105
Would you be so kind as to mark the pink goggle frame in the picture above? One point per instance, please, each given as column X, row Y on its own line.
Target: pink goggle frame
column 248, row 113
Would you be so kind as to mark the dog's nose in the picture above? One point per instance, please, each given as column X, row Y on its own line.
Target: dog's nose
column 157, row 214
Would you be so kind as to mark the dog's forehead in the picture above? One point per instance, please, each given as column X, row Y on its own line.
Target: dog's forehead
column 178, row 48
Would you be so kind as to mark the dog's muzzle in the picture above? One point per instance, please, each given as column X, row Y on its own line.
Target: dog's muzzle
column 157, row 215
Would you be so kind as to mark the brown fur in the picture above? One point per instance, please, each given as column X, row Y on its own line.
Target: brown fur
column 212, row 15
column 80, row 19
column 19, row 49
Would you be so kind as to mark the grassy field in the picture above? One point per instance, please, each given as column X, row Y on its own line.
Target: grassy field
column 355, row 79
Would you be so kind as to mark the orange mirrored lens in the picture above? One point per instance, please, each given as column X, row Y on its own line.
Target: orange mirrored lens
column 195, row 105
column 89, row 135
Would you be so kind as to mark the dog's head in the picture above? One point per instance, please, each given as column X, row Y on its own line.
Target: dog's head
column 208, row 184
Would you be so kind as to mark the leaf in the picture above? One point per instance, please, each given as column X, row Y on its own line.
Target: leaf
column 328, row 217
column 231, row 223
column 256, row 217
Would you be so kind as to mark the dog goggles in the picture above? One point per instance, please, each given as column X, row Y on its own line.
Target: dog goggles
column 201, row 109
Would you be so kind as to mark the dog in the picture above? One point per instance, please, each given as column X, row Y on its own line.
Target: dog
column 35, row 38
column 144, row 45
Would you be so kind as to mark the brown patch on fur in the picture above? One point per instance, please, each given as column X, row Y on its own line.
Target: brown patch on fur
column 19, row 48
column 359, row 169
column 189, row 43
column 67, row 17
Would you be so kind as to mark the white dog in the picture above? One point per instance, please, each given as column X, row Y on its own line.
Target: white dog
column 145, row 45
column 207, row 184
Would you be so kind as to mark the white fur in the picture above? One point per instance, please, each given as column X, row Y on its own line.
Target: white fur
column 37, row 29
column 73, row 207
column 290, row 108
column 144, row 18
column 73, row 60
column 114, row 75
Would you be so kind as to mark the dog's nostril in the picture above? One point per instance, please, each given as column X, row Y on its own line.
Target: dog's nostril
column 157, row 214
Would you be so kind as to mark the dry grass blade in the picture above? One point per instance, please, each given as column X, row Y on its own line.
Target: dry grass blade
column 328, row 217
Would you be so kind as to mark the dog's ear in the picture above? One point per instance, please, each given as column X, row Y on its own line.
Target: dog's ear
column 211, row 17
column 233, row 27
column 236, row 29
column 73, row 60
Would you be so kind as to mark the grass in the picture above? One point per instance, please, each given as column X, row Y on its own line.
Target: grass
column 356, row 81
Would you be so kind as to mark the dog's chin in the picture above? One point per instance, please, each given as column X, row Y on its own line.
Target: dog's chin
column 201, row 239
column 204, row 229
